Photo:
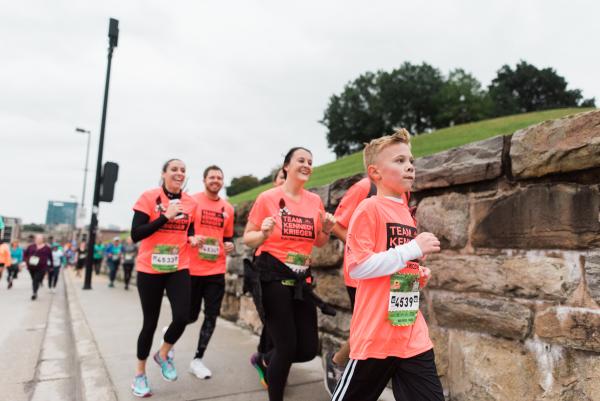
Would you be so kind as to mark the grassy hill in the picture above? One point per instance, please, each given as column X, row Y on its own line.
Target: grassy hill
column 426, row 144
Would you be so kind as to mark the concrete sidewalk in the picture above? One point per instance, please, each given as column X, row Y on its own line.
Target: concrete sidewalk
column 113, row 317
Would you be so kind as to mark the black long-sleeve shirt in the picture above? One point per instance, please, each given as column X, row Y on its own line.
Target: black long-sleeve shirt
column 142, row 227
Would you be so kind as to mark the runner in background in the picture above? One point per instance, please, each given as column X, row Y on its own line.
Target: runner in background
column 38, row 257
column 70, row 255
column 163, row 224
column 279, row 178
column 57, row 261
column 81, row 254
column 389, row 338
column 214, row 232
column 16, row 256
column 113, row 259
column 98, row 255
column 5, row 260
column 284, row 224
column 130, row 251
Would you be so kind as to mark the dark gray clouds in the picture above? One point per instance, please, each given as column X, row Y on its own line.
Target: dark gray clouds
column 233, row 83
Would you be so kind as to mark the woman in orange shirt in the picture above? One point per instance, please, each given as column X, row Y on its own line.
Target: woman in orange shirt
column 163, row 222
column 284, row 224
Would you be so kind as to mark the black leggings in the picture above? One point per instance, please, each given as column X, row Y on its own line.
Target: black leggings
column 36, row 278
column 292, row 325
column 53, row 277
column 97, row 265
column 211, row 289
column 151, row 288
column 113, row 267
column 127, row 269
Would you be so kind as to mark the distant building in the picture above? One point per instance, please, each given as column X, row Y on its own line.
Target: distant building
column 61, row 213
column 10, row 228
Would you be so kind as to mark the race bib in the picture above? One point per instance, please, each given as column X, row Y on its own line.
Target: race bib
column 297, row 262
column 403, row 303
column 34, row 260
column 128, row 256
column 115, row 257
column 165, row 258
column 210, row 250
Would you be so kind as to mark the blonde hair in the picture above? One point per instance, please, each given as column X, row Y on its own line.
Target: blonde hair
column 373, row 148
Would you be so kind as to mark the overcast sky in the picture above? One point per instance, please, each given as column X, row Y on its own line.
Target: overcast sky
column 233, row 83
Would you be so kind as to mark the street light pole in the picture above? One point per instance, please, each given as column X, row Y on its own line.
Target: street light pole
column 113, row 38
column 87, row 157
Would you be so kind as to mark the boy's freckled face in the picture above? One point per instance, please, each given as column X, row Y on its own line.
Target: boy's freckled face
column 395, row 164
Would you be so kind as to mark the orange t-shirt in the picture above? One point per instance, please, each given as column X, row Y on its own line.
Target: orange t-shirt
column 355, row 194
column 5, row 255
column 214, row 220
column 297, row 225
column 378, row 224
column 166, row 250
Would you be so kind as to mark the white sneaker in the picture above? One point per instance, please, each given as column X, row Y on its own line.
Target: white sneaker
column 198, row 369
column 171, row 353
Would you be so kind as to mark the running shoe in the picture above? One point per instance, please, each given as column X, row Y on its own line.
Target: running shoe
column 140, row 387
column 256, row 361
column 199, row 369
column 332, row 373
column 167, row 369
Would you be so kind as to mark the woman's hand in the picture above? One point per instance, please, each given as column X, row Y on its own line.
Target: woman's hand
column 173, row 210
column 229, row 247
column 327, row 222
column 267, row 226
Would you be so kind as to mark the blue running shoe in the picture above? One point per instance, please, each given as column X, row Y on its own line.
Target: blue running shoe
column 167, row 369
column 140, row 387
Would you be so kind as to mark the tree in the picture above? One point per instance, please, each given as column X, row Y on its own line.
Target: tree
column 374, row 103
column 33, row 227
column 527, row 88
column 461, row 100
column 241, row 184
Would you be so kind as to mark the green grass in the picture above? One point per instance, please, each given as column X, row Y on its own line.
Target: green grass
column 426, row 144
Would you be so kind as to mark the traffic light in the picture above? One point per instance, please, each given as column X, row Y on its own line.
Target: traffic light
column 110, row 173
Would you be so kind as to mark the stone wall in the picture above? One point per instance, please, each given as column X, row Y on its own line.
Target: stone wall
column 513, row 303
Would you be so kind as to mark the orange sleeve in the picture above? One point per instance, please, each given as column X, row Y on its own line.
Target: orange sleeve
column 321, row 213
column 143, row 204
column 259, row 211
column 361, row 237
column 228, row 232
column 355, row 194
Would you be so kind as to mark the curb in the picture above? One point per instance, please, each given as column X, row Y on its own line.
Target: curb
column 94, row 381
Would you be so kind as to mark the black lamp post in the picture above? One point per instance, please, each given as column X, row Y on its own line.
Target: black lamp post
column 113, row 39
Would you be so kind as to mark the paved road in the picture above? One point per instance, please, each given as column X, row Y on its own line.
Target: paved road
column 35, row 344
column 80, row 345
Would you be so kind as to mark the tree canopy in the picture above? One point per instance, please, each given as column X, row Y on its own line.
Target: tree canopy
column 421, row 98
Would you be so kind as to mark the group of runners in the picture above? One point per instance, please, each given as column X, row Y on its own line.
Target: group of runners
column 40, row 258
column 184, row 239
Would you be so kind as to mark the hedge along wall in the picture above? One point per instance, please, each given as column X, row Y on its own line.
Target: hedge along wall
column 513, row 303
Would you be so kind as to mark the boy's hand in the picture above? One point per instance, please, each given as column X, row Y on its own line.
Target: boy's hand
column 428, row 243
column 424, row 275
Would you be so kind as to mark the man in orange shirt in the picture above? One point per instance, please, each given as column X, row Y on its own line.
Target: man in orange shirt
column 389, row 337
column 214, row 231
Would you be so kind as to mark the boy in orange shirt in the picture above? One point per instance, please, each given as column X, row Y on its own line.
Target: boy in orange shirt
column 388, row 334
